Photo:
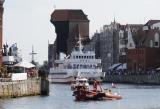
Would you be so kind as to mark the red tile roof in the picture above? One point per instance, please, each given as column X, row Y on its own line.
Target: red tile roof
column 68, row 15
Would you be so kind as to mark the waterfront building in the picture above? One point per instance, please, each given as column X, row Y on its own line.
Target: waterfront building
column 94, row 45
column 51, row 54
column 112, row 42
column 152, row 24
column 109, row 44
column 127, row 35
column 106, row 45
column 1, row 29
column 68, row 24
column 146, row 54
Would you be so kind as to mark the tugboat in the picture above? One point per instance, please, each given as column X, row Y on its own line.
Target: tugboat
column 82, row 92
column 80, row 82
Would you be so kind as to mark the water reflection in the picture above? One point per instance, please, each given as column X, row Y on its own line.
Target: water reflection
column 1, row 104
column 134, row 97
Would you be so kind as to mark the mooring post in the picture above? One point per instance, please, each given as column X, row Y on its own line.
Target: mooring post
column 44, row 82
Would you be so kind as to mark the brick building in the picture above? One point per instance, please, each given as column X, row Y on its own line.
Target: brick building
column 142, row 59
column 1, row 29
column 68, row 25
column 146, row 54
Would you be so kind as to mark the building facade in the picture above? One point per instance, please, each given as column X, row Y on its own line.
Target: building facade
column 112, row 42
column 142, row 59
column 146, row 54
column 51, row 54
column 106, row 45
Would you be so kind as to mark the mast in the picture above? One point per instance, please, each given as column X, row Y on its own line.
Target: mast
column 80, row 41
column 32, row 54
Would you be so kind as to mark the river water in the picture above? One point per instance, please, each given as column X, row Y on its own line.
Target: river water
column 134, row 97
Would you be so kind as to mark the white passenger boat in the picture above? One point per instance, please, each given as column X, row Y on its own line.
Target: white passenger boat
column 79, row 63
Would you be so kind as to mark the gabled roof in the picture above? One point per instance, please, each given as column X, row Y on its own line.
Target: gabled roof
column 151, row 22
column 68, row 15
column 132, row 26
column 143, row 37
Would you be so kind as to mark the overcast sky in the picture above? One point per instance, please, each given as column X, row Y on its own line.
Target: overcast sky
column 27, row 22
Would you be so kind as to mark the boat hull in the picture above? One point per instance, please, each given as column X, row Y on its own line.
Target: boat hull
column 62, row 80
column 113, row 96
column 71, row 79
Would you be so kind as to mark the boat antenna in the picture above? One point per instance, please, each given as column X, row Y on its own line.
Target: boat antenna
column 32, row 54
column 80, row 41
column 80, row 44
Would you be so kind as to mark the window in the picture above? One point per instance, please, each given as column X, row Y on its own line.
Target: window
column 151, row 43
column 122, row 42
column 73, row 57
column 156, row 40
column 156, row 44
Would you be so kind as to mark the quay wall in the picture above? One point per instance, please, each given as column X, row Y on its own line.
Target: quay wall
column 20, row 88
column 134, row 79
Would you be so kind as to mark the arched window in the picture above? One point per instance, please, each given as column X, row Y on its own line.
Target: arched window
column 151, row 43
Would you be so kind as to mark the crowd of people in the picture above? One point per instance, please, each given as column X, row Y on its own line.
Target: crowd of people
column 127, row 72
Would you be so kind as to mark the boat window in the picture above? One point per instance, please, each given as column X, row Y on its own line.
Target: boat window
column 76, row 57
column 82, row 81
column 74, row 66
column 59, row 73
column 77, row 66
column 84, row 57
column 81, row 66
column 90, row 66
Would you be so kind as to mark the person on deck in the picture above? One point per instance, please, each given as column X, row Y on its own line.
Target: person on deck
column 96, row 83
